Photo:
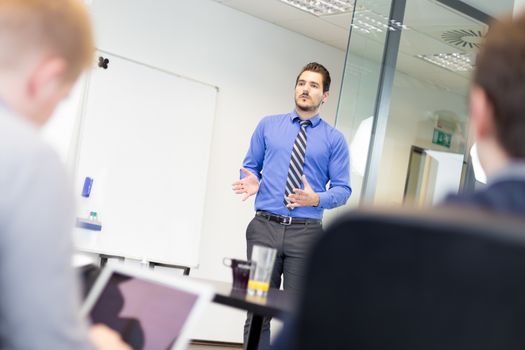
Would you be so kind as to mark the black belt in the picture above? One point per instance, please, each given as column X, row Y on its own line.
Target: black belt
column 286, row 220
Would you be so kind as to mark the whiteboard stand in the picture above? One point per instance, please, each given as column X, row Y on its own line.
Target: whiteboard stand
column 151, row 264
column 104, row 259
column 186, row 269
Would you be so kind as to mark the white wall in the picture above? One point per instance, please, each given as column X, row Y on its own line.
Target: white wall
column 254, row 64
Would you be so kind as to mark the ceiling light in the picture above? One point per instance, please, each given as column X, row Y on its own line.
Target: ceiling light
column 455, row 62
column 322, row 7
column 367, row 21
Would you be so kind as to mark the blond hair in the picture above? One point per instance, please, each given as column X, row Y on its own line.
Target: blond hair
column 55, row 27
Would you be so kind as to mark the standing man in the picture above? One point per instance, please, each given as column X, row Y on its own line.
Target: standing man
column 291, row 159
column 44, row 46
column 497, row 113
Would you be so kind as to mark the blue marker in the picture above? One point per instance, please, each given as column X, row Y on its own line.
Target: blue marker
column 86, row 191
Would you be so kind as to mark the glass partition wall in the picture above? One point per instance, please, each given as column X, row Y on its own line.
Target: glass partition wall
column 361, row 80
column 404, row 98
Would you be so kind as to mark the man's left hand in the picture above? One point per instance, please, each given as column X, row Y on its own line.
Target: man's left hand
column 303, row 198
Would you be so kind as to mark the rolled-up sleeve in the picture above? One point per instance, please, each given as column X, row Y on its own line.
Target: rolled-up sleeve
column 255, row 156
column 339, row 173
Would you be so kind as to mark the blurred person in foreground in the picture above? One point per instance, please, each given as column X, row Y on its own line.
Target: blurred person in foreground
column 44, row 46
column 497, row 117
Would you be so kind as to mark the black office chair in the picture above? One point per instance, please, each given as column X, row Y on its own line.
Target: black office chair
column 445, row 281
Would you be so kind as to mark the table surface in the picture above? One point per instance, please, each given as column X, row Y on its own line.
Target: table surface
column 278, row 303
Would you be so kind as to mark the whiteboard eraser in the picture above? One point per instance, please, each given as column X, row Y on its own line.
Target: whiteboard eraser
column 89, row 225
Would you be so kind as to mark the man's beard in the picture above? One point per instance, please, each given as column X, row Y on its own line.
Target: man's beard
column 306, row 108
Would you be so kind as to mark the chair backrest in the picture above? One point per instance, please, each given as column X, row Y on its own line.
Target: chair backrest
column 415, row 281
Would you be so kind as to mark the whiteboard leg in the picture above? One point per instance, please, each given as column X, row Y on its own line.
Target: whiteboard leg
column 186, row 269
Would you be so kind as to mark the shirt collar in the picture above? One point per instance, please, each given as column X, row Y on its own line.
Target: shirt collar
column 315, row 120
column 514, row 171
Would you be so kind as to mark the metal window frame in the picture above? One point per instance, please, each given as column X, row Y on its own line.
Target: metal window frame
column 382, row 106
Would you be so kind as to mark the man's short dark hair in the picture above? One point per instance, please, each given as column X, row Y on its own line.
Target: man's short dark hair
column 500, row 72
column 317, row 68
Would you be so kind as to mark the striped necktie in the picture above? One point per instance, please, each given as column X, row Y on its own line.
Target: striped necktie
column 295, row 171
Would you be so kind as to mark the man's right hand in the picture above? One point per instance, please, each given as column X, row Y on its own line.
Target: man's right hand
column 248, row 186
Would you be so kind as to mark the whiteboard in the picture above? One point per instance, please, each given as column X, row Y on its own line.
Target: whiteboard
column 145, row 138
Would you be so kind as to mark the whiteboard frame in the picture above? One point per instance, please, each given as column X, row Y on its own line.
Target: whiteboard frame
column 75, row 150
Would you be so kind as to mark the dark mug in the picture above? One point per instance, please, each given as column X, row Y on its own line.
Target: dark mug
column 240, row 272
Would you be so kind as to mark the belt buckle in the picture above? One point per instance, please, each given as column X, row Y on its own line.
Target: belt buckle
column 287, row 220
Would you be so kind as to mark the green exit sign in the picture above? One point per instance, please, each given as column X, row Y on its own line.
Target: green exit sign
column 442, row 138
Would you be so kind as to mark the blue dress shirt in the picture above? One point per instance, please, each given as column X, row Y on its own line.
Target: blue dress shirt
column 327, row 160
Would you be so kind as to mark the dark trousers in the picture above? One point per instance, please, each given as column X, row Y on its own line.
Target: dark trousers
column 293, row 243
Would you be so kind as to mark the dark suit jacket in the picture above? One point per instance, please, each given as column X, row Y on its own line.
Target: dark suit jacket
column 504, row 196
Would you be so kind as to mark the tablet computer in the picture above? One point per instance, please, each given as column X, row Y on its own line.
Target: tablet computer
column 150, row 310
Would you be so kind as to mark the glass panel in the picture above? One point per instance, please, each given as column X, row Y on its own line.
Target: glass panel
column 360, row 84
column 429, row 108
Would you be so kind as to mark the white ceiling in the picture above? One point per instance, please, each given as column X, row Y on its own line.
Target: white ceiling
column 427, row 20
column 333, row 30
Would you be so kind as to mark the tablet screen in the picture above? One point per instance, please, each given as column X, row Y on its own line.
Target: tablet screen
column 148, row 315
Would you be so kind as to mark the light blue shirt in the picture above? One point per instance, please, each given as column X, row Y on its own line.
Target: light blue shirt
column 39, row 296
column 327, row 160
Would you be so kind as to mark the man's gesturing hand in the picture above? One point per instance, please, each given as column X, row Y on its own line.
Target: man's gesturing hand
column 303, row 198
column 248, row 186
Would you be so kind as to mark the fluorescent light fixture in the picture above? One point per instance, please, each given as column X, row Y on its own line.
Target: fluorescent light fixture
column 322, row 7
column 479, row 173
column 365, row 21
column 455, row 62
column 368, row 22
